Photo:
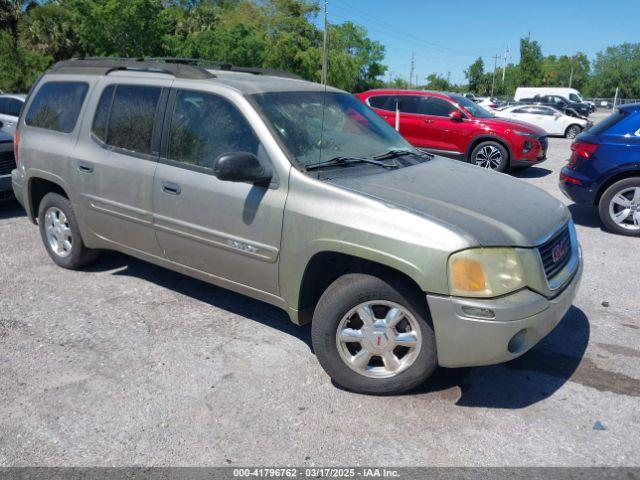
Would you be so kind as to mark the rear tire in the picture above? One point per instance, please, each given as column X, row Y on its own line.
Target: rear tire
column 620, row 207
column 60, row 233
column 572, row 131
column 491, row 155
column 356, row 328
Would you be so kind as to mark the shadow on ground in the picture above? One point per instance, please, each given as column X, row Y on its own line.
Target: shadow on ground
column 531, row 172
column 10, row 208
column 204, row 292
column 585, row 216
column 523, row 381
column 517, row 384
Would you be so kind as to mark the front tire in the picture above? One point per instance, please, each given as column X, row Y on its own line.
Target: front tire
column 620, row 207
column 572, row 131
column 491, row 155
column 373, row 337
column 60, row 233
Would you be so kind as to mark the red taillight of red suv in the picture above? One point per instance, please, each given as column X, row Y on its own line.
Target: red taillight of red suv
column 581, row 150
column 16, row 141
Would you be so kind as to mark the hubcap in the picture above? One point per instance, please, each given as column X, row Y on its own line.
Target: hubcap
column 573, row 132
column 488, row 157
column 624, row 208
column 58, row 232
column 378, row 339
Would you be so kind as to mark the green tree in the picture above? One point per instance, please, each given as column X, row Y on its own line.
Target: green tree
column 530, row 63
column 134, row 28
column 50, row 29
column 475, row 76
column 616, row 67
column 19, row 67
column 435, row 81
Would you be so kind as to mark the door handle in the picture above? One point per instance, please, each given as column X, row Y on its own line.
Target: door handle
column 170, row 188
column 428, row 121
column 85, row 167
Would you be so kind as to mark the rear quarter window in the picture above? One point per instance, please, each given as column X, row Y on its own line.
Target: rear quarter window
column 57, row 106
column 607, row 123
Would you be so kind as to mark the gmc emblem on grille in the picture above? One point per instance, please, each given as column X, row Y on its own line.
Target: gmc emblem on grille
column 559, row 251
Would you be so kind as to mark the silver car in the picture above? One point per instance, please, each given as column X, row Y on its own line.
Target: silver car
column 301, row 197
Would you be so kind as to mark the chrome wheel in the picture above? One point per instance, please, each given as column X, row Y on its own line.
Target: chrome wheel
column 58, row 232
column 378, row 339
column 488, row 157
column 624, row 208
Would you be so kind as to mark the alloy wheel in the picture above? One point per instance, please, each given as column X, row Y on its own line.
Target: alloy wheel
column 379, row 339
column 573, row 132
column 58, row 232
column 624, row 208
column 488, row 157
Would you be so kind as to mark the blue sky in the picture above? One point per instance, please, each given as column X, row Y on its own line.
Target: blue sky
column 447, row 36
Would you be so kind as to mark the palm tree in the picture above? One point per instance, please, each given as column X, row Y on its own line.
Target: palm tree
column 12, row 12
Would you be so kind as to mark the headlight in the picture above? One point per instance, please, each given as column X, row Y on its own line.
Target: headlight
column 485, row 272
column 525, row 134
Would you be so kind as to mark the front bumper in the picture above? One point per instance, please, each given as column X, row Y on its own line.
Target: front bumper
column 466, row 341
column 16, row 182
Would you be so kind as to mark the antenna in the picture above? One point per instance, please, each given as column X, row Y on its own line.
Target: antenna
column 324, row 45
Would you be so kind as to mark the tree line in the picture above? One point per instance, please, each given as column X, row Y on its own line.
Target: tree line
column 278, row 34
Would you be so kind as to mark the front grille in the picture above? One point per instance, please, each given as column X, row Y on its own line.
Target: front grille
column 556, row 252
column 544, row 145
column 7, row 162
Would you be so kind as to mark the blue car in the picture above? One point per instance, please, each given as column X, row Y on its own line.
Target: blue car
column 604, row 170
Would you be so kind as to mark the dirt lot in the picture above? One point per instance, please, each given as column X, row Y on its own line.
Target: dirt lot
column 127, row 363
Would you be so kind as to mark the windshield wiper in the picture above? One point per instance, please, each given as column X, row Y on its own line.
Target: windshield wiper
column 343, row 161
column 400, row 152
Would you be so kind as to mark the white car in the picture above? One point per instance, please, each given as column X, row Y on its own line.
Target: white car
column 10, row 106
column 553, row 121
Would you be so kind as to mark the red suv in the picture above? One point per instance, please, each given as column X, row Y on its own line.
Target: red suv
column 452, row 125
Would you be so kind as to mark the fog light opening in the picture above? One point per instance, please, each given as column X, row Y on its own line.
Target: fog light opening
column 479, row 312
column 517, row 343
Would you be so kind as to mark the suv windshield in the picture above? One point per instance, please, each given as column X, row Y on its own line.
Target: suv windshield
column 473, row 108
column 350, row 128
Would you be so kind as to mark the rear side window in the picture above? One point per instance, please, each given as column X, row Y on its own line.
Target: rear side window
column 607, row 123
column 383, row 102
column 204, row 126
column 10, row 106
column 125, row 116
column 57, row 105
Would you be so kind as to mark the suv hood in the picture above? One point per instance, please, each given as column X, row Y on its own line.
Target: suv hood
column 487, row 208
column 509, row 123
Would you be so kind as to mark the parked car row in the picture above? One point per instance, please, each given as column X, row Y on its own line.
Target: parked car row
column 552, row 120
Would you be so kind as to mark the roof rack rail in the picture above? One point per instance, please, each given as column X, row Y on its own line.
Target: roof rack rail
column 215, row 65
column 191, row 68
column 106, row 65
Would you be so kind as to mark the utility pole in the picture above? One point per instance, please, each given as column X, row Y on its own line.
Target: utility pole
column 504, row 68
column 413, row 61
column 493, row 80
column 571, row 74
column 324, row 45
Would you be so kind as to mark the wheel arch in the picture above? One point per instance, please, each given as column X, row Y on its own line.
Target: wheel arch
column 324, row 267
column 632, row 172
column 487, row 138
column 38, row 186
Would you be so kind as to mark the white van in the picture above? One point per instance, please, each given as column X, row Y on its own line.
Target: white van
column 569, row 93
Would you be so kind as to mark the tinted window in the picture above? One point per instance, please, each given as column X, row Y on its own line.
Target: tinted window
column 4, row 107
column 132, row 117
column 204, row 126
column 14, row 107
column 411, row 103
column 438, row 107
column 520, row 110
column 57, row 105
column 607, row 123
column 102, row 113
column 383, row 102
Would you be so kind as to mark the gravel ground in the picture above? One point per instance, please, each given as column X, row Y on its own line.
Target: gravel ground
column 130, row 364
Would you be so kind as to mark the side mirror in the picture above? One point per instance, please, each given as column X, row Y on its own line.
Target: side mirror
column 456, row 116
column 241, row 167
